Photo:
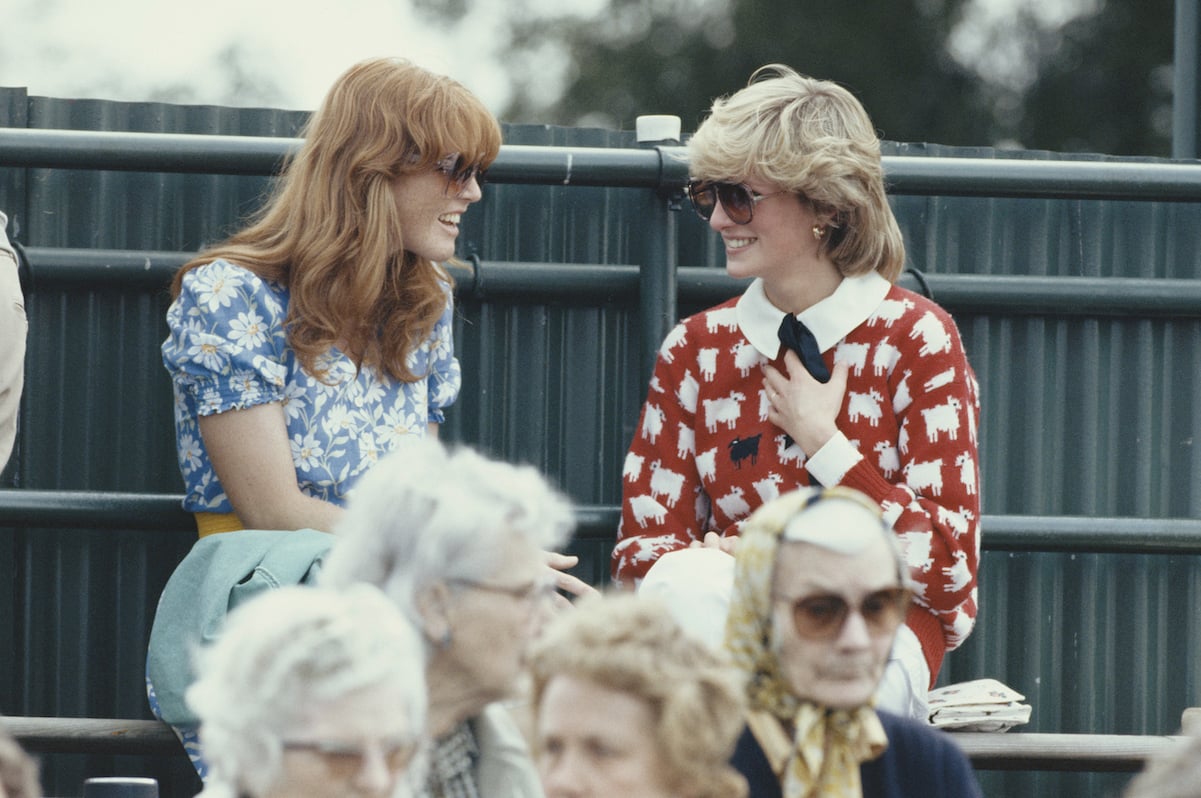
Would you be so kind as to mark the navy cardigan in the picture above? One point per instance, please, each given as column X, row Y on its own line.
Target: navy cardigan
column 920, row 762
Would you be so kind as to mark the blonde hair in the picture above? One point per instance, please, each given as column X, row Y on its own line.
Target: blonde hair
column 814, row 138
column 632, row 644
column 330, row 231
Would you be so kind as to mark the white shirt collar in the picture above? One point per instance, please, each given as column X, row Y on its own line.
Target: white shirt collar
column 855, row 299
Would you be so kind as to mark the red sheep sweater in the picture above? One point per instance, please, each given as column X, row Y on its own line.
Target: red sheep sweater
column 705, row 455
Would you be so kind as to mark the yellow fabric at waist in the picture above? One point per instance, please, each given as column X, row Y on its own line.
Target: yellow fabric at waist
column 212, row 523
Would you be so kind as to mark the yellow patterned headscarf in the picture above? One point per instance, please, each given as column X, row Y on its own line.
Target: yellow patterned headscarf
column 822, row 756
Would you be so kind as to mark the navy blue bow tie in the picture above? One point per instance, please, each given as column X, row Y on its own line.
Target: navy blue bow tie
column 797, row 337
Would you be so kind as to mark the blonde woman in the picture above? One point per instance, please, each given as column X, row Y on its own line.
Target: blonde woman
column 823, row 372
column 627, row 703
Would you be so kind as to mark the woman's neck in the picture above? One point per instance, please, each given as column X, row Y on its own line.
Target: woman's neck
column 802, row 291
column 452, row 700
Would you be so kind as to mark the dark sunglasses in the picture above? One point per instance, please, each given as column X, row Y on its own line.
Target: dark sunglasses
column 822, row 616
column 739, row 201
column 458, row 172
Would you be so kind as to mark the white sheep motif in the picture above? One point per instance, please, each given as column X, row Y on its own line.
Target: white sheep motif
column 967, row 472
column 706, row 465
column 885, row 358
column 764, row 404
column 959, row 574
column 961, row 627
column 940, row 379
column 725, row 410
column 677, row 336
column 685, row 440
column 890, row 310
column 632, row 468
column 934, row 335
column 706, row 361
column 854, row 355
column 888, row 459
column 923, row 477
column 646, row 508
column 652, row 422
column 789, row 452
column 942, row 418
column 648, row 549
column 746, row 357
column 865, row 405
column 891, row 511
column 733, row 505
column 768, row 488
column 722, row 317
column 688, row 391
column 902, row 398
column 666, row 483
column 958, row 521
column 917, row 547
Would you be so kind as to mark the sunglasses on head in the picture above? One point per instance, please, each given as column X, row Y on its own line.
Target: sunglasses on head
column 738, row 200
column 822, row 616
column 458, row 172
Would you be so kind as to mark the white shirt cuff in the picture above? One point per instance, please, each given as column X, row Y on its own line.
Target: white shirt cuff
column 831, row 463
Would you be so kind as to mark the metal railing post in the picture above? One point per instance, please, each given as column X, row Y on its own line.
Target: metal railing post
column 1186, row 104
column 658, row 272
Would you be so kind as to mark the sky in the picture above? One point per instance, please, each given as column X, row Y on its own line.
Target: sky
column 281, row 53
column 277, row 53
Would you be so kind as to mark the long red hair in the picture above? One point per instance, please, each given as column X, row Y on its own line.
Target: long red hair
column 329, row 230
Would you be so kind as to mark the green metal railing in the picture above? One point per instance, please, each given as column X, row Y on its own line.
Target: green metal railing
column 663, row 169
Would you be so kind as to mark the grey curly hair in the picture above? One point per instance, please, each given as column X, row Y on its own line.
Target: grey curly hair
column 285, row 652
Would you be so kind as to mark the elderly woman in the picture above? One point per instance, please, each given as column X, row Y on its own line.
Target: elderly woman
column 626, row 703
column 457, row 541
column 820, row 590
column 311, row 693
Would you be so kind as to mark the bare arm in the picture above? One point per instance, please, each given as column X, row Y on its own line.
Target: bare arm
column 252, row 457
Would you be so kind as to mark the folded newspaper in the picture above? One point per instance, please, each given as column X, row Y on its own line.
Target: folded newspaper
column 980, row 705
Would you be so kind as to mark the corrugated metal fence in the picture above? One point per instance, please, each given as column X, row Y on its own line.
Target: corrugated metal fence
column 1075, row 284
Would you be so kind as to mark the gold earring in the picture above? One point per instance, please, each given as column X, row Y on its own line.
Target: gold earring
column 818, row 231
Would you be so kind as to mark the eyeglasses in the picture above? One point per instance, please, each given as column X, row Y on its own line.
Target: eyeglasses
column 459, row 173
column 822, row 616
column 345, row 759
column 537, row 590
column 738, row 200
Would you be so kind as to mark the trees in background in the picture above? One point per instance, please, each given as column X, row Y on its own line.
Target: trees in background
column 927, row 70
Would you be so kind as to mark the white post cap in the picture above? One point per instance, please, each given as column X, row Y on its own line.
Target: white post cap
column 661, row 127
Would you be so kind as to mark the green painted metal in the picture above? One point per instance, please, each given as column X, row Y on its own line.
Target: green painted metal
column 1075, row 283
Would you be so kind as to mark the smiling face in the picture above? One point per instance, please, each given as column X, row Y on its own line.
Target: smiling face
column 841, row 672
column 777, row 244
column 429, row 214
column 595, row 742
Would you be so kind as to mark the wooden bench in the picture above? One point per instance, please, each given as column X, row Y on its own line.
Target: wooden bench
column 1095, row 753
column 1092, row 753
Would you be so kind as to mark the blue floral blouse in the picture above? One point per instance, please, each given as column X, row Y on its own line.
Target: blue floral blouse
column 227, row 350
